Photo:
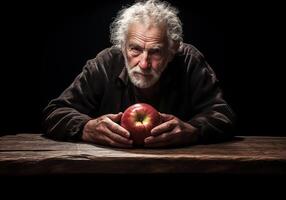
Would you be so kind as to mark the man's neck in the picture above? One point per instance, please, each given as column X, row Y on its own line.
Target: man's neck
column 148, row 93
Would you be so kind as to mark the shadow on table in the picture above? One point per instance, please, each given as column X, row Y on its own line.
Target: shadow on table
column 215, row 147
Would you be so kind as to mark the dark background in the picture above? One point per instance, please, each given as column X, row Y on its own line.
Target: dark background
column 45, row 45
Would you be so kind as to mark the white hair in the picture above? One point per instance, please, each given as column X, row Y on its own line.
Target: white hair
column 148, row 12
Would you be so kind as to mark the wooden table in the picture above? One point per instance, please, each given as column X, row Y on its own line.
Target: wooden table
column 32, row 154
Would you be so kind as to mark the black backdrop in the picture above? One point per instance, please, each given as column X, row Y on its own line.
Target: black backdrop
column 45, row 45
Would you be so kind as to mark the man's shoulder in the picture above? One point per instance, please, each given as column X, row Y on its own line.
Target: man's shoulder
column 108, row 54
column 109, row 59
column 187, row 49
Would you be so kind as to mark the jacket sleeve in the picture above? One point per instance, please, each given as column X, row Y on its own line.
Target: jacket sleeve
column 65, row 116
column 212, row 114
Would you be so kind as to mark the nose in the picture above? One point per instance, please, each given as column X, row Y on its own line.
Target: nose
column 144, row 61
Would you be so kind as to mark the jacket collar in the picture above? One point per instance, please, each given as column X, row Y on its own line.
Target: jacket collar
column 123, row 76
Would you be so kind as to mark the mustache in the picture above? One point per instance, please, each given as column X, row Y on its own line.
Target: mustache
column 145, row 72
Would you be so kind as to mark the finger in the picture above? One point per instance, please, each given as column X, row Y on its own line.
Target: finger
column 166, row 117
column 115, row 117
column 162, row 128
column 109, row 141
column 160, row 143
column 116, row 128
column 165, row 137
column 103, row 135
column 117, row 138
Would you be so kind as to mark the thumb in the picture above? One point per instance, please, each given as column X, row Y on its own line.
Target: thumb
column 115, row 117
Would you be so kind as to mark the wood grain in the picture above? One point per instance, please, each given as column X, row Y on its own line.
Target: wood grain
column 32, row 154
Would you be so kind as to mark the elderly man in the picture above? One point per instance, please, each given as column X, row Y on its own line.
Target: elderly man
column 148, row 63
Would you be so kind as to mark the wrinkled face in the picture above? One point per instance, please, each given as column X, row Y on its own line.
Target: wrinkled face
column 146, row 54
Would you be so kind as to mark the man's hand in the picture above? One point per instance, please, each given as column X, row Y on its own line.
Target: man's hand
column 172, row 132
column 104, row 130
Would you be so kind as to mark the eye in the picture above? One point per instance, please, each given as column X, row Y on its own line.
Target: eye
column 157, row 53
column 135, row 50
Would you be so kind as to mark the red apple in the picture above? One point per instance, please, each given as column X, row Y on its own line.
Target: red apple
column 139, row 119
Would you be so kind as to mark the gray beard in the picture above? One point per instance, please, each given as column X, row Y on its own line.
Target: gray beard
column 142, row 82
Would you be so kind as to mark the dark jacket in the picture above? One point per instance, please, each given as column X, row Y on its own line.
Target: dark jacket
column 188, row 89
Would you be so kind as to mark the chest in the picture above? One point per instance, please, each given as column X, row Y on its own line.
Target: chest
column 172, row 100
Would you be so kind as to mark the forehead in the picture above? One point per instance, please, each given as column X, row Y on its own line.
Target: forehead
column 146, row 34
